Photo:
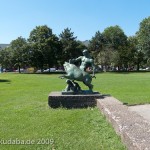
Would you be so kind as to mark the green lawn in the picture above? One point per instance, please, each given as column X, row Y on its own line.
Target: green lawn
column 26, row 118
column 131, row 88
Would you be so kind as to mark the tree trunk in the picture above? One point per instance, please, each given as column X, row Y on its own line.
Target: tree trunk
column 19, row 69
column 138, row 66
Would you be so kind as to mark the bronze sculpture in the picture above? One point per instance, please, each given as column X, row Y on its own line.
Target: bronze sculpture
column 79, row 73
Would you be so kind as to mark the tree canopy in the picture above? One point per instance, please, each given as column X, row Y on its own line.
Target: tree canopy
column 143, row 36
column 111, row 49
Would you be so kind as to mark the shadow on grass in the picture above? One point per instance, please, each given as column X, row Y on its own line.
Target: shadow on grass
column 4, row 80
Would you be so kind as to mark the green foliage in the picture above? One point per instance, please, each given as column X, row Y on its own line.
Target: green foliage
column 116, row 41
column 115, row 37
column 19, row 52
column 143, row 36
column 135, row 55
column 44, row 45
column 110, row 49
column 97, row 42
column 96, row 47
column 70, row 46
column 25, row 115
column 6, row 58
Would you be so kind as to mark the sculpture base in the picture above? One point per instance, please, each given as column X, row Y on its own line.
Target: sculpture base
column 82, row 92
column 57, row 99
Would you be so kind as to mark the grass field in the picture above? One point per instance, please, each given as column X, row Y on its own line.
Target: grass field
column 27, row 123
column 131, row 88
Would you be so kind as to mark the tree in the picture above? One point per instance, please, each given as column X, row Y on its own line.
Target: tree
column 19, row 52
column 44, row 46
column 116, row 43
column 136, row 56
column 6, row 58
column 96, row 47
column 70, row 46
column 53, row 51
column 143, row 36
column 109, row 47
column 115, row 37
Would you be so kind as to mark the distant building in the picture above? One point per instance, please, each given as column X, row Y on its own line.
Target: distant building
column 86, row 42
column 2, row 46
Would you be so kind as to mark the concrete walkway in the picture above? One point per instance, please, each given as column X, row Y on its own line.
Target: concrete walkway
column 142, row 110
column 129, row 122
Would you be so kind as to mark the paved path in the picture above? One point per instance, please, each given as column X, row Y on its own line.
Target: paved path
column 133, row 128
column 142, row 110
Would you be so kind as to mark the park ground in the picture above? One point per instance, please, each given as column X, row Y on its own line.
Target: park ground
column 26, row 117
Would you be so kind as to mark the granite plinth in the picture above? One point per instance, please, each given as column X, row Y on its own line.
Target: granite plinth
column 56, row 99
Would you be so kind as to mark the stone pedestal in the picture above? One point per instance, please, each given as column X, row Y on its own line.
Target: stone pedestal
column 56, row 99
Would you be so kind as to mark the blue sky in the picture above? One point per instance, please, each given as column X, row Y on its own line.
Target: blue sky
column 84, row 17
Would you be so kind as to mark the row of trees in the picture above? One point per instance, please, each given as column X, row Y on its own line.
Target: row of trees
column 41, row 49
column 111, row 48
